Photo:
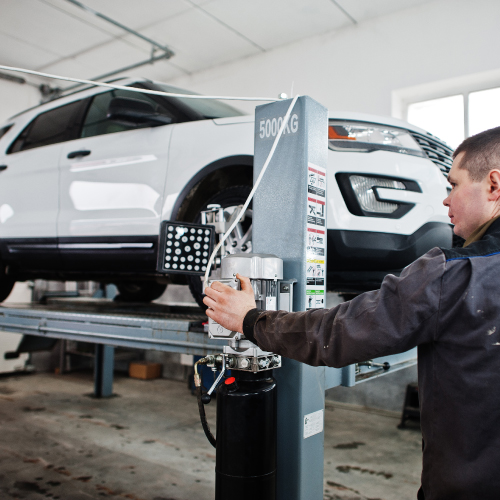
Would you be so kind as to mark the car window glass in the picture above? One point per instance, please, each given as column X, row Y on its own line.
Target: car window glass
column 97, row 122
column 4, row 130
column 54, row 126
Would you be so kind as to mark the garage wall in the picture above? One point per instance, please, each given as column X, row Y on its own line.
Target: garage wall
column 358, row 67
column 15, row 97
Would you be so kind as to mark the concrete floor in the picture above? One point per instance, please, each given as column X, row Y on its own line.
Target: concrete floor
column 147, row 444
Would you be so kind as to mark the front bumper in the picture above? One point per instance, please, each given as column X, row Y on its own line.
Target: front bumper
column 358, row 261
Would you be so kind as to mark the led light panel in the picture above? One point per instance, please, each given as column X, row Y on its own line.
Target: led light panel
column 185, row 248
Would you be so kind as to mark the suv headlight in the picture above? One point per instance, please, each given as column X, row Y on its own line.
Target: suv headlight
column 361, row 195
column 369, row 137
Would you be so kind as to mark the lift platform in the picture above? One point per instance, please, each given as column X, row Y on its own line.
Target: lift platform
column 142, row 326
column 157, row 327
column 109, row 324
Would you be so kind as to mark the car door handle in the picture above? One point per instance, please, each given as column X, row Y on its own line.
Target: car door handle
column 76, row 154
column 3, row 167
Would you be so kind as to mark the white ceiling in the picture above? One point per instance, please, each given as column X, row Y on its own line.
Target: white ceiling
column 56, row 36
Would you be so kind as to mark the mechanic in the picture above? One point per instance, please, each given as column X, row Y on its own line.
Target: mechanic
column 447, row 303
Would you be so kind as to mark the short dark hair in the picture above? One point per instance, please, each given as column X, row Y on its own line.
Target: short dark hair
column 481, row 153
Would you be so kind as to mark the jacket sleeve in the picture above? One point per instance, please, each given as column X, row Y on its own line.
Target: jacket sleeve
column 401, row 315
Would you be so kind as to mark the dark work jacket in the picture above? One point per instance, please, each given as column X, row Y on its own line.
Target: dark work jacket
column 448, row 304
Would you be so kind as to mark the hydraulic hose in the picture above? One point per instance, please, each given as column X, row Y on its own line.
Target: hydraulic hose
column 201, row 406
column 203, row 418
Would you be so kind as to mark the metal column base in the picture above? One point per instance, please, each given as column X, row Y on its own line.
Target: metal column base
column 103, row 371
column 301, row 392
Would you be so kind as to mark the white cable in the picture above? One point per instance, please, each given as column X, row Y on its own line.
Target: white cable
column 133, row 89
column 252, row 192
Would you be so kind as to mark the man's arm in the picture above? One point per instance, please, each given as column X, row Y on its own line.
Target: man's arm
column 399, row 316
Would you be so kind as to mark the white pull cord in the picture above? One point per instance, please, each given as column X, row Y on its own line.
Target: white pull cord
column 133, row 89
column 250, row 196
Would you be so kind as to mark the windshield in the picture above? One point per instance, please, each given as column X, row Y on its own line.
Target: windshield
column 203, row 108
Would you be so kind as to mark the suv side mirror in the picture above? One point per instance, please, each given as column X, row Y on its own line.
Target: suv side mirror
column 135, row 111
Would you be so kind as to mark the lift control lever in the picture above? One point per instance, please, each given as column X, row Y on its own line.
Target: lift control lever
column 219, row 378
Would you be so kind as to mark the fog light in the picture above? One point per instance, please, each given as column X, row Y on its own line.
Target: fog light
column 365, row 189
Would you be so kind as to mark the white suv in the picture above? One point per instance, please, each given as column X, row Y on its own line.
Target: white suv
column 87, row 179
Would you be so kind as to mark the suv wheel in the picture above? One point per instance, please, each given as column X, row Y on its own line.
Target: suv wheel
column 139, row 292
column 240, row 239
column 6, row 284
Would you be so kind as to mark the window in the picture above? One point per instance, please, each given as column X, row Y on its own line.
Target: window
column 455, row 117
column 54, row 126
column 443, row 118
column 200, row 109
column 484, row 110
column 97, row 122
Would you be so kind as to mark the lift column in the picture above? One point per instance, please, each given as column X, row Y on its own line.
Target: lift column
column 103, row 370
column 289, row 220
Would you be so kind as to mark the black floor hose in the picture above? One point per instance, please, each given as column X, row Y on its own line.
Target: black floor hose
column 203, row 417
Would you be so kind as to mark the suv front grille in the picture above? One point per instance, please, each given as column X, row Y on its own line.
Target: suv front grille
column 437, row 151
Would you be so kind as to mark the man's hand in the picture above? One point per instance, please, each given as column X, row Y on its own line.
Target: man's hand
column 228, row 306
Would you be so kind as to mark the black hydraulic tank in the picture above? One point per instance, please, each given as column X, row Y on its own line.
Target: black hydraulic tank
column 246, row 437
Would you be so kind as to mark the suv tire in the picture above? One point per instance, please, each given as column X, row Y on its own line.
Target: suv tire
column 6, row 284
column 139, row 291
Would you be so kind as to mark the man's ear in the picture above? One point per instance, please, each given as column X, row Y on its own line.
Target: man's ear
column 494, row 185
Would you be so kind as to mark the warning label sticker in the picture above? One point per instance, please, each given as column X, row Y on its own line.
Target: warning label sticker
column 316, row 237
column 315, row 297
column 315, row 272
column 316, row 183
column 316, row 211
column 313, row 423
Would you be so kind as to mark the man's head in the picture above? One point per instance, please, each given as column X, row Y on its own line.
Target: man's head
column 475, row 181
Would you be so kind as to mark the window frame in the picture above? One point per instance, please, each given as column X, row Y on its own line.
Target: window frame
column 464, row 86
